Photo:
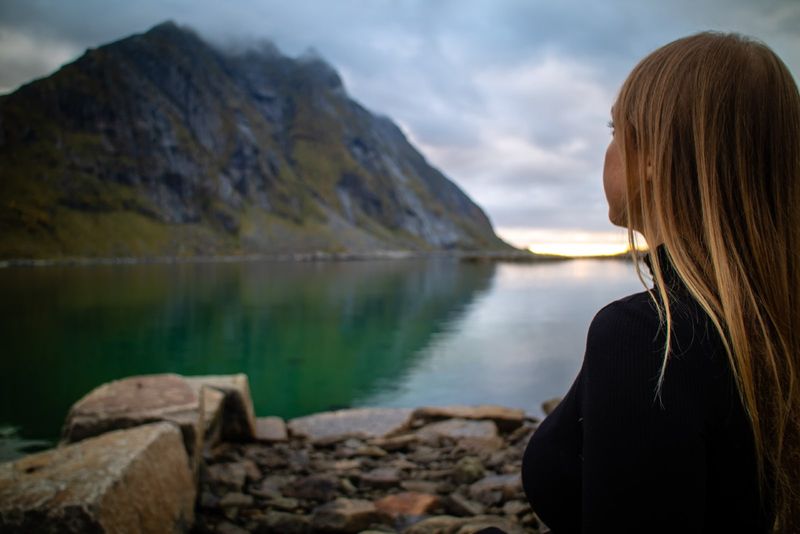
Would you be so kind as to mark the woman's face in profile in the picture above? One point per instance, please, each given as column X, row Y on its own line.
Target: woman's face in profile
column 614, row 184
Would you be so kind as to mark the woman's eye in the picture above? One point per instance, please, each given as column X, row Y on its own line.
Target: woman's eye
column 611, row 126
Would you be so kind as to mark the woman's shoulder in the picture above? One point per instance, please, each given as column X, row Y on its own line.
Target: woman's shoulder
column 634, row 313
column 624, row 333
column 639, row 313
column 627, row 338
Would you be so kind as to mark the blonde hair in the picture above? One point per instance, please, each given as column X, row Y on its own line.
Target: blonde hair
column 709, row 131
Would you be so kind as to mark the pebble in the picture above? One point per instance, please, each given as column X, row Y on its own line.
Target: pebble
column 454, row 475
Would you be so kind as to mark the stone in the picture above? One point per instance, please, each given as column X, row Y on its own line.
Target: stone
column 481, row 446
column 251, row 470
column 395, row 443
column 456, row 429
column 267, row 458
column 138, row 400
column 322, row 487
column 223, row 452
column 424, row 454
column 403, row 464
column 358, row 422
column 440, row 524
column 269, row 488
column 407, row 503
column 348, row 486
column 284, row 523
column 381, row 477
column 457, row 504
column 370, row 451
column 352, row 444
column 347, row 515
column 299, row 460
column 475, row 524
column 131, row 480
column 284, row 503
column 238, row 414
column 346, row 465
column 230, row 500
column 420, row 486
column 523, row 434
column 211, row 401
column 549, row 405
column 271, row 429
column 468, row 469
column 230, row 475
column 532, row 520
column 516, row 508
column 488, row 488
column 506, row 419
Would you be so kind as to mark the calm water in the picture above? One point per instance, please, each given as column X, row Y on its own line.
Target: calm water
column 310, row 336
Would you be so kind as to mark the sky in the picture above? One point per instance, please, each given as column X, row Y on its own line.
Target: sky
column 509, row 98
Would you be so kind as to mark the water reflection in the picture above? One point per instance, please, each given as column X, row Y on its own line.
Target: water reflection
column 518, row 344
column 311, row 336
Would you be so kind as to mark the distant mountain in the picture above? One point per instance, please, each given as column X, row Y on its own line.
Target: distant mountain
column 160, row 145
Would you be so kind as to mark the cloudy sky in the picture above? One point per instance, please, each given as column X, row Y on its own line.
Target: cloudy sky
column 509, row 98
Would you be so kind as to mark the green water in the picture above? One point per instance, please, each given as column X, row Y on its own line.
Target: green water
column 310, row 336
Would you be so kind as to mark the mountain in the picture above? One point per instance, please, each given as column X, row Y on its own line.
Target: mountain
column 162, row 145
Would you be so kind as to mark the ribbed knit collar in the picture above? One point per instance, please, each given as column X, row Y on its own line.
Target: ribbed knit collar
column 668, row 271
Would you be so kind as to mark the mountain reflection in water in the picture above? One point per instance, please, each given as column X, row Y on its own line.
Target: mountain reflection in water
column 310, row 336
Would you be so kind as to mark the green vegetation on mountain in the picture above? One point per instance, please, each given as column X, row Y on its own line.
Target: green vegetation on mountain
column 162, row 145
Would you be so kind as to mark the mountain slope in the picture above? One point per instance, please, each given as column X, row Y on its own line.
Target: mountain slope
column 160, row 144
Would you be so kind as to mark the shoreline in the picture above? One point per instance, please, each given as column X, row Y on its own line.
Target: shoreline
column 188, row 454
column 448, row 469
column 519, row 256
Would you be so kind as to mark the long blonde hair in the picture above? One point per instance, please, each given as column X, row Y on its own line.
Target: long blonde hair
column 709, row 131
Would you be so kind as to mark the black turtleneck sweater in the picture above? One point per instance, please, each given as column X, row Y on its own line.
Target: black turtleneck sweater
column 612, row 458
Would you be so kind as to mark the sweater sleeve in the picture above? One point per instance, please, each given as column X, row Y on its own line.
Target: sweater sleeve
column 643, row 464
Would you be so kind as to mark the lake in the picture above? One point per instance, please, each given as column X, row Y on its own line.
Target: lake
column 311, row 336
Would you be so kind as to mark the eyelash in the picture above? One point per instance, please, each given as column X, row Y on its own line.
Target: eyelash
column 610, row 124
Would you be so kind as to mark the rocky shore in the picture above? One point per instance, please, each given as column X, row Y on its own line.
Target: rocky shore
column 442, row 470
column 167, row 453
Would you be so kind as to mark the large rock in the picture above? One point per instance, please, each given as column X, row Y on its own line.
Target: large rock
column 237, row 417
column 358, row 422
column 212, row 401
column 133, row 480
column 137, row 401
column 506, row 419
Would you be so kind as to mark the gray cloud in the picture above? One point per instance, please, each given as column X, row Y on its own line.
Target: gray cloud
column 509, row 98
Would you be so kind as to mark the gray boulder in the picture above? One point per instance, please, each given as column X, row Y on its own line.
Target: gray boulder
column 132, row 480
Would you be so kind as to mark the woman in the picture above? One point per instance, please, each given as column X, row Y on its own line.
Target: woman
column 684, row 416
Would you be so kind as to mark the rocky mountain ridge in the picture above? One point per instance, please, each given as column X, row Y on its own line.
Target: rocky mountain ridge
column 162, row 145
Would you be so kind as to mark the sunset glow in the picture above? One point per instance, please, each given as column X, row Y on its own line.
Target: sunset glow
column 564, row 242
column 577, row 250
